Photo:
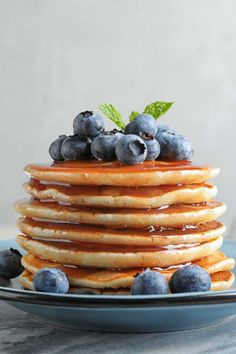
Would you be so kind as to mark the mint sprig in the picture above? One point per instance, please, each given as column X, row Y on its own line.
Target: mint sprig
column 133, row 115
column 157, row 109
column 113, row 114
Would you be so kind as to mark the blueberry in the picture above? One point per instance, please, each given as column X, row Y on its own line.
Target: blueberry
column 131, row 149
column 189, row 279
column 162, row 128
column 153, row 148
column 174, row 147
column 142, row 124
column 51, row 280
column 76, row 148
column 10, row 263
column 149, row 283
column 103, row 146
column 55, row 148
column 88, row 124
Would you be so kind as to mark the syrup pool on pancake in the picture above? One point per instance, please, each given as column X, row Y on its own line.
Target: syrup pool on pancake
column 123, row 211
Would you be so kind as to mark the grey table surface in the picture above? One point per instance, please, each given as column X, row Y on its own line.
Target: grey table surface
column 20, row 333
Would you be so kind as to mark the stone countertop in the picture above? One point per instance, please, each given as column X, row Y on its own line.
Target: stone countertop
column 21, row 334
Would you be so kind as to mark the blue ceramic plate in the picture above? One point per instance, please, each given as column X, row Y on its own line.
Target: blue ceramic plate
column 153, row 313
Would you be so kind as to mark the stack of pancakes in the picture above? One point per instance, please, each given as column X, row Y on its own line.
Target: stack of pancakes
column 103, row 222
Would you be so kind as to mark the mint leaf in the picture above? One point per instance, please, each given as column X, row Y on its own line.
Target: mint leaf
column 112, row 113
column 157, row 109
column 133, row 115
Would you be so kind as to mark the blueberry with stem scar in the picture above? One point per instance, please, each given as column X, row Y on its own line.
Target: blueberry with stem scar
column 131, row 149
column 88, row 124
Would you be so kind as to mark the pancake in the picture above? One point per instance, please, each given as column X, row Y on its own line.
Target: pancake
column 219, row 281
column 95, row 278
column 103, row 222
column 222, row 280
column 133, row 237
column 167, row 216
column 26, row 280
column 110, row 256
column 122, row 197
column 149, row 173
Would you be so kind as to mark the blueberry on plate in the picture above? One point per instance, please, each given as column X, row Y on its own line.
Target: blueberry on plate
column 149, row 283
column 88, row 124
column 131, row 149
column 51, row 280
column 162, row 128
column 103, row 147
column 174, row 146
column 142, row 124
column 10, row 263
column 76, row 148
column 55, row 148
column 189, row 279
column 153, row 148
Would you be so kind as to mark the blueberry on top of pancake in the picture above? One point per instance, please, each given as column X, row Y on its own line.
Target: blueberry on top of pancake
column 143, row 139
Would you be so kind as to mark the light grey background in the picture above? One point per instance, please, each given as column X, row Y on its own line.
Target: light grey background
column 58, row 58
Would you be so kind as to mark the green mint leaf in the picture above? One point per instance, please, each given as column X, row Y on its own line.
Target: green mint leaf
column 157, row 109
column 112, row 113
column 133, row 115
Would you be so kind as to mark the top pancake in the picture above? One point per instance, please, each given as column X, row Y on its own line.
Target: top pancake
column 149, row 173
